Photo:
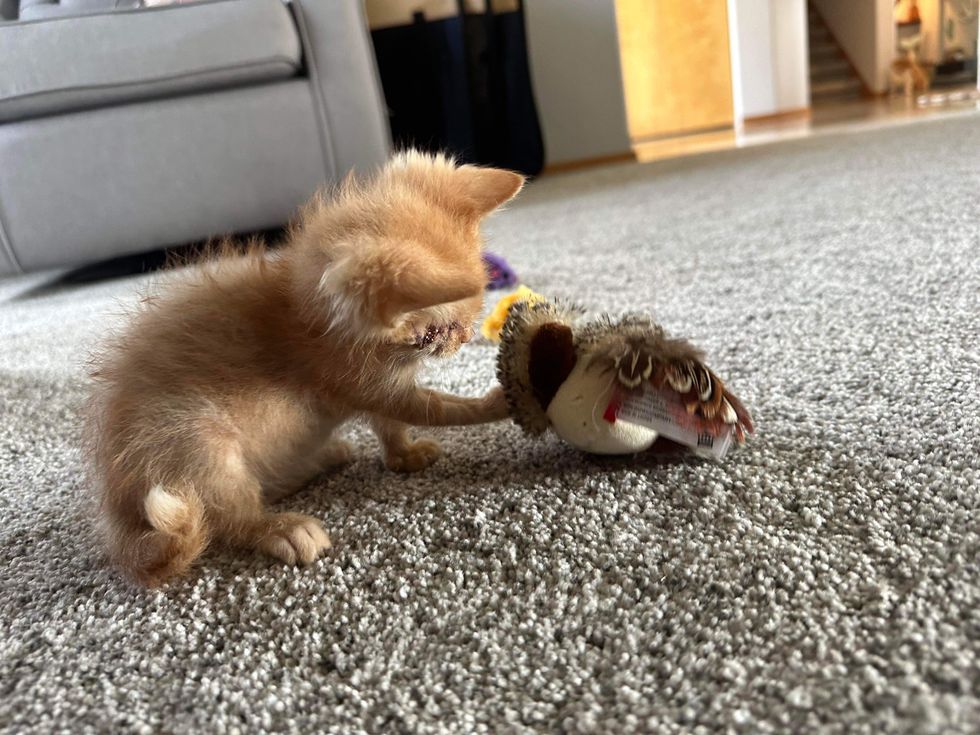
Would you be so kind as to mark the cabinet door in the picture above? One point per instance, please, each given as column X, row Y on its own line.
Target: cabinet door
column 677, row 71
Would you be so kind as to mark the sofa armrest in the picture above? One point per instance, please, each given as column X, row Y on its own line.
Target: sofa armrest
column 36, row 9
column 343, row 73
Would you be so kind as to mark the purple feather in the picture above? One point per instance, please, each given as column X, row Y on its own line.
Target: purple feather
column 499, row 273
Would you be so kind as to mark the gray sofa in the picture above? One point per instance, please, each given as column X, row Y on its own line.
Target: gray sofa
column 126, row 129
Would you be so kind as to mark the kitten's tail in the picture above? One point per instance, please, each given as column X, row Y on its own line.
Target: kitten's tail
column 177, row 536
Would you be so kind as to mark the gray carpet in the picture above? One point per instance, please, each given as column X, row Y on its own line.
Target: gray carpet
column 822, row 579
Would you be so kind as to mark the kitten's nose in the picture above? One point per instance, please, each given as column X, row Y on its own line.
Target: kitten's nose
column 466, row 335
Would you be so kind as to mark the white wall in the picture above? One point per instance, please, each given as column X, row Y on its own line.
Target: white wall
column 734, row 51
column 866, row 32
column 573, row 50
column 752, row 29
column 791, row 53
column 770, row 56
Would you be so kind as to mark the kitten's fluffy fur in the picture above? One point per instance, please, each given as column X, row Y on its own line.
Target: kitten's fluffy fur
column 223, row 392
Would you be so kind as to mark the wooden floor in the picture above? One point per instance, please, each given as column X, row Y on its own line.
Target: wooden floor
column 861, row 113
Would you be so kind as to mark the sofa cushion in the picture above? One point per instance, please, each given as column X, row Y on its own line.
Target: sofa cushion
column 69, row 63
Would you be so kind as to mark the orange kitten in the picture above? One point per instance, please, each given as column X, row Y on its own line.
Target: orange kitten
column 223, row 393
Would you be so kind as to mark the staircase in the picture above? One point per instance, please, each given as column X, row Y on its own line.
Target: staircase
column 832, row 78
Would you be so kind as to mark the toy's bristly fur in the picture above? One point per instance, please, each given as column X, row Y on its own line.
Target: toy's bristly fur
column 524, row 322
column 637, row 350
column 624, row 345
column 633, row 350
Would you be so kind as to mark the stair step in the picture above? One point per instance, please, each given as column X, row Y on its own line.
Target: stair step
column 836, row 89
column 836, row 85
column 824, row 51
column 830, row 63
column 831, row 76
column 821, row 43
column 829, row 68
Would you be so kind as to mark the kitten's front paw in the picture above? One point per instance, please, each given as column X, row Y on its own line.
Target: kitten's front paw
column 414, row 457
column 294, row 538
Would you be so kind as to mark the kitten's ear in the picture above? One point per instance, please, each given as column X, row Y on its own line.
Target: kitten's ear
column 482, row 190
column 426, row 283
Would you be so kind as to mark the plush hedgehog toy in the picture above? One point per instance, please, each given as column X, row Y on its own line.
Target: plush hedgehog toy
column 611, row 386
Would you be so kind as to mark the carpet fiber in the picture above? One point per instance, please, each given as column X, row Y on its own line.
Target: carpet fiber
column 823, row 578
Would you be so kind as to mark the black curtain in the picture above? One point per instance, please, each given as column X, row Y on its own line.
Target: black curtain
column 462, row 85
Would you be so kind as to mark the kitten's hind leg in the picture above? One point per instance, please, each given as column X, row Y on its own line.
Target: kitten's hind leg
column 335, row 452
column 292, row 537
column 236, row 509
column 400, row 452
column 283, row 481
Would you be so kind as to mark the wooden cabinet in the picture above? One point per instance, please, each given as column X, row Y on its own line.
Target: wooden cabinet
column 677, row 74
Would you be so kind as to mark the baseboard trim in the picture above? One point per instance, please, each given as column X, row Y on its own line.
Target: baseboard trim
column 689, row 144
column 674, row 135
column 800, row 113
column 563, row 166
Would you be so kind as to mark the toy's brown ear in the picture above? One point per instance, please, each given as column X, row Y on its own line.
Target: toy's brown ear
column 552, row 358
